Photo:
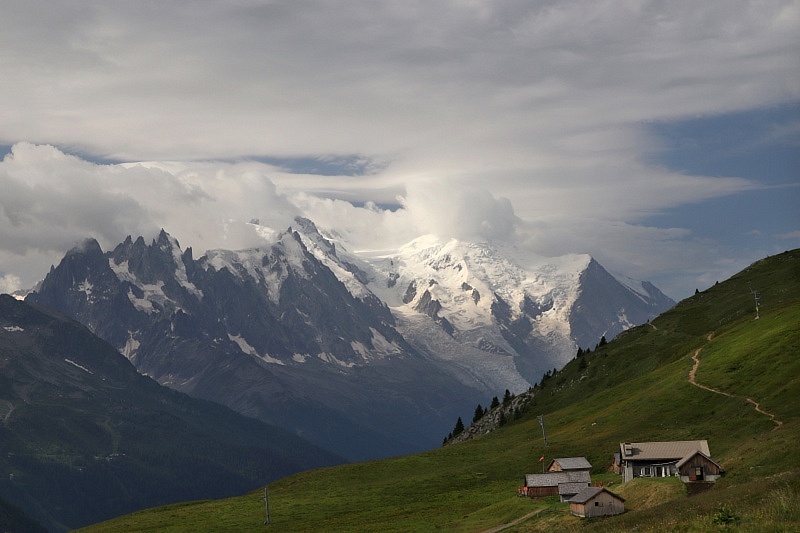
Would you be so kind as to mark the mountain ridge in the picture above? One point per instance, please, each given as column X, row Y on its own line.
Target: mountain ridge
column 84, row 436
column 302, row 329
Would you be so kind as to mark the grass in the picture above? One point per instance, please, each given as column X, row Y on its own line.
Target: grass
column 634, row 389
column 755, row 350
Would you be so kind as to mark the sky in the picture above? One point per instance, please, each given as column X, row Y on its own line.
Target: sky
column 661, row 137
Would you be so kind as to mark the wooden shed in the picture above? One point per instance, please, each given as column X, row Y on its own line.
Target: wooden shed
column 550, row 484
column 540, row 485
column 596, row 501
column 698, row 466
column 566, row 491
column 569, row 464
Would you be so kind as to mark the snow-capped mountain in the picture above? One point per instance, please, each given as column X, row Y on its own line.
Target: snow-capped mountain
column 506, row 315
column 499, row 313
column 366, row 354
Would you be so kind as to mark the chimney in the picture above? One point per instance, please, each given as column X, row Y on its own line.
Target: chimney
column 627, row 449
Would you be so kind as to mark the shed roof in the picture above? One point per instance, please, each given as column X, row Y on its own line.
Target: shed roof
column 690, row 455
column 571, row 488
column 644, row 451
column 590, row 492
column 553, row 479
column 572, row 463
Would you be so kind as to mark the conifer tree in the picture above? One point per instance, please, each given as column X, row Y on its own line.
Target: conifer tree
column 459, row 427
column 507, row 397
column 478, row 413
column 495, row 403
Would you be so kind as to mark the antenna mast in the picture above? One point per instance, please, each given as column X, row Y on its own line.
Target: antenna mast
column 544, row 433
column 756, row 297
column 266, row 501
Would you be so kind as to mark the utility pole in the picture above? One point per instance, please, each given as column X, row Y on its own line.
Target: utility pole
column 756, row 297
column 544, row 433
column 266, row 502
column 544, row 436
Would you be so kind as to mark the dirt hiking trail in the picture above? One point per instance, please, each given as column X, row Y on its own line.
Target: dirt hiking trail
column 693, row 381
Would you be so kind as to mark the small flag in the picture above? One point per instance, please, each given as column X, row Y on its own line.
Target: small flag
column 541, row 459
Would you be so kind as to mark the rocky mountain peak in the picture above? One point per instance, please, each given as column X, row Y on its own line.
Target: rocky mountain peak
column 301, row 320
column 88, row 247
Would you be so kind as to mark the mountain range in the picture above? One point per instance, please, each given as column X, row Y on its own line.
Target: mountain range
column 719, row 366
column 364, row 353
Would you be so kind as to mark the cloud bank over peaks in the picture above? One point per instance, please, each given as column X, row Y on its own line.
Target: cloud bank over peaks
column 450, row 209
column 53, row 200
column 444, row 207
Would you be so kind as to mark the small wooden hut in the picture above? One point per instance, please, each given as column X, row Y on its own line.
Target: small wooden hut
column 697, row 467
column 569, row 464
column 564, row 483
column 596, row 501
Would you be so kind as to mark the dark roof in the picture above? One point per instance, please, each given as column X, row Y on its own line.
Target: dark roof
column 572, row 463
column 590, row 492
column 689, row 456
column 571, row 488
column 648, row 451
column 553, row 479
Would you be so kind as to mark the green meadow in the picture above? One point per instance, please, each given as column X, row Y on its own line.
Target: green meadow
column 635, row 388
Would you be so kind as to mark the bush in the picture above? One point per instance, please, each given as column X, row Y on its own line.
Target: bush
column 725, row 516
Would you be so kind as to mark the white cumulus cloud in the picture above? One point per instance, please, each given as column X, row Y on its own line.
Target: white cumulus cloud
column 473, row 119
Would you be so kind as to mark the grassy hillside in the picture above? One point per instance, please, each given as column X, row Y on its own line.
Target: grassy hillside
column 635, row 388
